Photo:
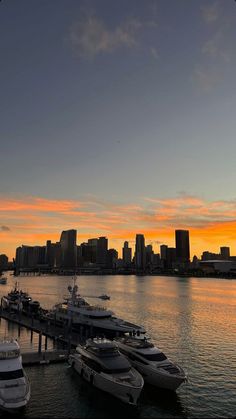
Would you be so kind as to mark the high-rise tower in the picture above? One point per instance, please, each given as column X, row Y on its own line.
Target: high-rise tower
column 182, row 246
column 126, row 254
column 68, row 249
column 140, row 255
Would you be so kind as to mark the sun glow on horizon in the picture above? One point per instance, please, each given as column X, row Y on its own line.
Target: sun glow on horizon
column 34, row 220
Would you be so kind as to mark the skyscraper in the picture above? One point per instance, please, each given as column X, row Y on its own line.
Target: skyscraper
column 182, row 246
column 102, row 247
column 126, row 254
column 68, row 249
column 163, row 250
column 171, row 257
column 140, row 256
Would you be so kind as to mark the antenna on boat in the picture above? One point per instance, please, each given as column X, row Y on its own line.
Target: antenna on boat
column 5, row 336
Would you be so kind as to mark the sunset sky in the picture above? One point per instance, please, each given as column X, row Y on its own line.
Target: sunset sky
column 117, row 118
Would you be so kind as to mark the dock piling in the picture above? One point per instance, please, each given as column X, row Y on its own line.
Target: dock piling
column 40, row 343
column 46, row 343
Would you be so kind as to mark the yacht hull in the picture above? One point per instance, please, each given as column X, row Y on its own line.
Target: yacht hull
column 158, row 378
column 125, row 392
column 13, row 401
column 157, row 374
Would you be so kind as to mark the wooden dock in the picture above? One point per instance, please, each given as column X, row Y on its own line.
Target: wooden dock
column 44, row 357
column 62, row 336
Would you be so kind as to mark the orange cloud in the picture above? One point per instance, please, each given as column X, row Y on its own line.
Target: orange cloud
column 33, row 220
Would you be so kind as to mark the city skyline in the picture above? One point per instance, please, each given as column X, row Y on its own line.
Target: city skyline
column 181, row 244
column 210, row 224
column 117, row 119
column 95, row 256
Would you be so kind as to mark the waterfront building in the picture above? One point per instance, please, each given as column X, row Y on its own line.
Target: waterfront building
column 30, row 257
column 218, row 266
column 3, row 262
column 39, row 255
column 210, row 256
column 163, row 251
column 126, row 254
column 225, row 252
column 195, row 262
column 182, row 246
column 149, row 255
column 68, row 249
column 171, row 258
column 25, row 257
column 102, row 247
column 157, row 260
column 91, row 251
column 53, row 254
column 140, row 253
column 85, row 255
column 112, row 257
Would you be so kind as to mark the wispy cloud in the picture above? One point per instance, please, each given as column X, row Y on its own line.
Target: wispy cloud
column 211, row 12
column 215, row 47
column 4, row 228
column 91, row 36
column 206, row 77
column 216, row 51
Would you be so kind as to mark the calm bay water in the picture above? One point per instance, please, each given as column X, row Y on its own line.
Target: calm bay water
column 192, row 320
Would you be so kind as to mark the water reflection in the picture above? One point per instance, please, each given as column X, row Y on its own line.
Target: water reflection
column 192, row 320
column 168, row 402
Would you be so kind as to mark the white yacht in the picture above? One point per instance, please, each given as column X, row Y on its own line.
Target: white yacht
column 16, row 299
column 151, row 362
column 79, row 312
column 14, row 384
column 101, row 363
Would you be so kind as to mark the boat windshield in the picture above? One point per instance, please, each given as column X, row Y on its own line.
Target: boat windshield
column 9, row 354
column 105, row 352
column 153, row 357
column 11, row 375
column 116, row 370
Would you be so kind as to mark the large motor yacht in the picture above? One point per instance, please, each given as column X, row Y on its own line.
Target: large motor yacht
column 101, row 364
column 16, row 299
column 151, row 362
column 79, row 312
column 14, row 384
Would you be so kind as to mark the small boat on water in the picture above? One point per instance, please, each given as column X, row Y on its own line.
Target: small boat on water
column 151, row 362
column 104, row 297
column 101, row 363
column 14, row 384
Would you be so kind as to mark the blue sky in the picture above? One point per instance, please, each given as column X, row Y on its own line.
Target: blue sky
column 117, row 101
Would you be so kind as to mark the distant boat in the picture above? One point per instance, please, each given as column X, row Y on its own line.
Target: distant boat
column 16, row 299
column 3, row 280
column 104, row 297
